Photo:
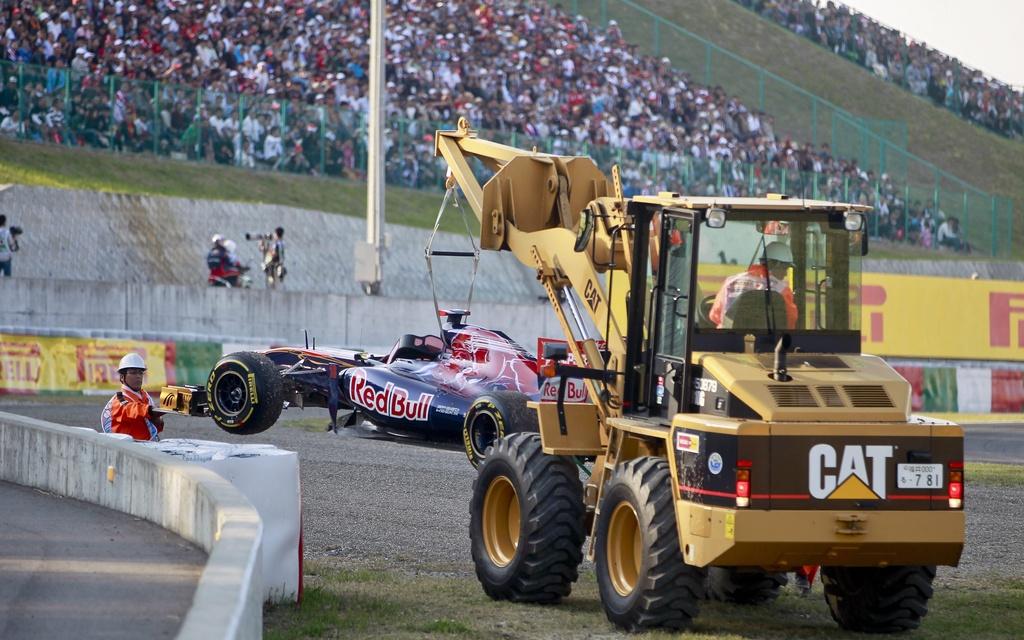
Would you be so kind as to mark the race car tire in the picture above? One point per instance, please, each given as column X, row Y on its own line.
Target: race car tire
column 878, row 599
column 245, row 393
column 741, row 586
column 492, row 416
column 641, row 576
column 526, row 522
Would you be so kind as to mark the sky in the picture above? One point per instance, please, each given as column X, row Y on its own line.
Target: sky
column 984, row 34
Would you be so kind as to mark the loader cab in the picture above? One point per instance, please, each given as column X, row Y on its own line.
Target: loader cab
column 735, row 280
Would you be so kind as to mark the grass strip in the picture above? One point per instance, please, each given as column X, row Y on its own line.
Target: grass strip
column 378, row 601
column 60, row 167
column 996, row 475
column 976, row 418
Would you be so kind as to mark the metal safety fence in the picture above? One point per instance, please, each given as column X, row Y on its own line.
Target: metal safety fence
column 63, row 107
column 878, row 146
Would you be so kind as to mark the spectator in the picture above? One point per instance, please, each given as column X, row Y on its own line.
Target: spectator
column 8, row 245
column 896, row 57
column 948, row 234
column 11, row 125
column 132, row 411
column 523, row 70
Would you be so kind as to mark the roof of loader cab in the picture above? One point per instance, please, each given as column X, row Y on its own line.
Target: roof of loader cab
column 772, row 202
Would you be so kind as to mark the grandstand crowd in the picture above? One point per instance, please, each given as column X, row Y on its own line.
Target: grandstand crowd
column 514, row 67
column 893, row 56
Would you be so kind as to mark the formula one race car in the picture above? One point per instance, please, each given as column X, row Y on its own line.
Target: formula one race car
column 467, row 387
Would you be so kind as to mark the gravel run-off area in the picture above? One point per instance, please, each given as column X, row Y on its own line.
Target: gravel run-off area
column 383, row 502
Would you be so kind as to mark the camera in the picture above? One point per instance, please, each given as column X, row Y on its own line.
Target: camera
column 16, row 231
column 258, row 236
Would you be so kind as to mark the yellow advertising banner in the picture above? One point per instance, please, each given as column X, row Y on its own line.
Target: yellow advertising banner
column 925, row 317
column 31, row 365
column 929, row 317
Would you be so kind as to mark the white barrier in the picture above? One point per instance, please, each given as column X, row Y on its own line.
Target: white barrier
column 269, row 478
column 194, row 503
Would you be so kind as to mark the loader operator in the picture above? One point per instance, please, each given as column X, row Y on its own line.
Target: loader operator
column 132, row 410
column 770, row 271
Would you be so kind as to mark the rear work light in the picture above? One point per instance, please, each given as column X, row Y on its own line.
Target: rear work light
column 956, row 484
column 743, row 468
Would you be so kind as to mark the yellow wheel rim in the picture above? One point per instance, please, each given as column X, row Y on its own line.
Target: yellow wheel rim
column 501, row 521
column 624, row 548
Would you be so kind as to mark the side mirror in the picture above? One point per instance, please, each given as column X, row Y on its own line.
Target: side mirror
column 715, row 219
column 864, row 243
column 584, row 230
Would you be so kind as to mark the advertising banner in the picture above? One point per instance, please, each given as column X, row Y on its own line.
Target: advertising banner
column 194, row 360
column 949, row 318
column 32, row 365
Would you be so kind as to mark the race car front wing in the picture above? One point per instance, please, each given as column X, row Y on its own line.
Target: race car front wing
column 188, row 400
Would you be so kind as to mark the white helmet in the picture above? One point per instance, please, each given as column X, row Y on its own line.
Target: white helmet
column 131, row 361
column 217, row 238
column 230, row 246
column 779, row 251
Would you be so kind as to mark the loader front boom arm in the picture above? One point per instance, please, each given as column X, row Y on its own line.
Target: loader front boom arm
column 534, row 206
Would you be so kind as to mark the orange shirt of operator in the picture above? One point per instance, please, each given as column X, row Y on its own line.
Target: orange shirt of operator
column 780, row 258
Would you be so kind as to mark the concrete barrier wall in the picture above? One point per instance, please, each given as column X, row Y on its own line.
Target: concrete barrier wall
column 240, row 314
column 191, row 501
column 89, row 236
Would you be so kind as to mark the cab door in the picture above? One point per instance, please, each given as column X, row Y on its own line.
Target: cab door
column 673, row 308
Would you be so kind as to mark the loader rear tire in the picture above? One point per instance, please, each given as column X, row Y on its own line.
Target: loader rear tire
column 526, row 522
column 739, row 586
column 878, row 600
column 245, row 393
column 641, row 575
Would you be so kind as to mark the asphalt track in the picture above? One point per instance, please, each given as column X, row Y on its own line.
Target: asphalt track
column 368, row 500
column 1002, row 443
column 70, row 569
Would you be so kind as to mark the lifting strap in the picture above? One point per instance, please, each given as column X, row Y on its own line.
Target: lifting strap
column 451, row 197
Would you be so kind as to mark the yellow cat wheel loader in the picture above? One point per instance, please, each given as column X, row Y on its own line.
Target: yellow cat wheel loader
column 734, row 431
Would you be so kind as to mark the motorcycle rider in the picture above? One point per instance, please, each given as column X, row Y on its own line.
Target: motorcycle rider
column 217, row 262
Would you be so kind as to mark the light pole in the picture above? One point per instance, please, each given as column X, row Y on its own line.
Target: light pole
column 368, row 271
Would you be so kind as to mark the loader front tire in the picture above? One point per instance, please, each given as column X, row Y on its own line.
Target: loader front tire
column 641, row 575
column 526, row 522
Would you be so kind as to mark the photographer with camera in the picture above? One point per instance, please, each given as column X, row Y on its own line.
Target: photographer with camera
column 8, row 245
column 272, row 248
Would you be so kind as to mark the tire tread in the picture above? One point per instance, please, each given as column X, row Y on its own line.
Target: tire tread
column 671, row 588
column 878, row 600
column 547, row 561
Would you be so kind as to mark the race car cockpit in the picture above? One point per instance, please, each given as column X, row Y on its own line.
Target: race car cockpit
column 413, row 347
